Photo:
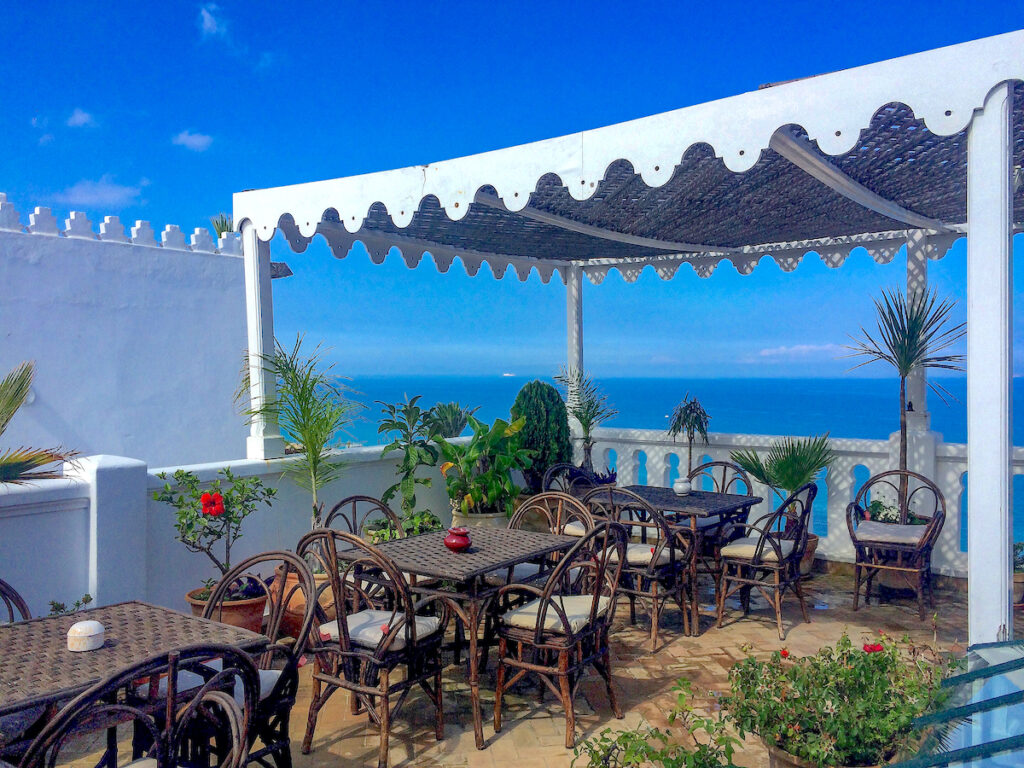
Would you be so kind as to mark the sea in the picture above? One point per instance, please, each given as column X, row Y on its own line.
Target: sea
column 843, row 407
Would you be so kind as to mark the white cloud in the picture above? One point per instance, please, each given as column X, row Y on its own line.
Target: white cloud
column 197, row 142
column 80, row 118
column 45, row 139
column 102, row 193
column 210, row 23
column 800, row 351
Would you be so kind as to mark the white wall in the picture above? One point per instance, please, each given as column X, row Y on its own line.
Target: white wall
column 137, row 346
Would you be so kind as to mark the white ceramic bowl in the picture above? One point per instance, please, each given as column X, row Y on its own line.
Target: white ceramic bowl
column 85, row 636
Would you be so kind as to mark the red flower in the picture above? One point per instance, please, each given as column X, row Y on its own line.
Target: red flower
column 784, row 653
column 872, row 647
column 213, row 504
column 206, row 499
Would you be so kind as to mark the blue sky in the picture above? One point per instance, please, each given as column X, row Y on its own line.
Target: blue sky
column 162, row 114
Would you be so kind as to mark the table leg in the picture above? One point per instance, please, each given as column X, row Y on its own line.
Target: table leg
column 473, row 629
column 694, row 596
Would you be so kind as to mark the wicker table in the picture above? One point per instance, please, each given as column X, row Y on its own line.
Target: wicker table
column 493, row 549
column 37, row 668
column 694, row 506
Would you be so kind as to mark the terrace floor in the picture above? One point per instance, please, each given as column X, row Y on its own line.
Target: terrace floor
column 533, row 733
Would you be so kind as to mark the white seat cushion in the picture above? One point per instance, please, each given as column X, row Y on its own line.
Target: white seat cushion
column 576, row 607
column 575, row 528
column 641, row 554
column 365, row 628
column 746, row 547
column 889, row 533
column 189, row 680
column 708, row 522
column 523, row 572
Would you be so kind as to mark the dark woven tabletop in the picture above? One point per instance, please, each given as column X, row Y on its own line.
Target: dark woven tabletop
column 695, row 503
column 36, row 666
column 493, row 548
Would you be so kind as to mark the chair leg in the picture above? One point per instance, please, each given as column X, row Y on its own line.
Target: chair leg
column 632, row 609
column 499, row 687
column 604, row 668
column 721, row 598
column 439, row 692
column 385, row 721
column 856, row 586
column 655, row 616
column 777, row 600
column 566, row 695
column 920, row 595
column 800, row 596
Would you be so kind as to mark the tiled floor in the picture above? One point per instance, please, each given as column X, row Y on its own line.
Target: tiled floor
column 533, row 733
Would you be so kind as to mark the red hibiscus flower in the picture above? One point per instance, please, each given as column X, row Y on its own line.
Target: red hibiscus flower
column 206, row 499
column 872, row 647
column 213, row 504
column 784, row 653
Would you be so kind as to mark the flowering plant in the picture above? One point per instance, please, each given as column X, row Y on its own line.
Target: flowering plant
column 842, row 706
column 204, row 519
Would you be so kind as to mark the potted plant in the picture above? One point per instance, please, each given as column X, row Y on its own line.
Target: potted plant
column 846, row 705
column 585, row 402
column 210, row 521
column 912, row 336
column 413, row 431
column 478, row 474
column 23, row 465
column 789, row 464
column 546, row 431
column 1018, row 573
column 689, row 418
column 450, row 419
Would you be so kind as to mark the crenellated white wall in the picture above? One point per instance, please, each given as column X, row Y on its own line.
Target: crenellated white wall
column 137, row 344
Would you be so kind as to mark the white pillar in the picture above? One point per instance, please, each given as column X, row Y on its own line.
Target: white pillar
column 919, row 420
column 264, row 441
column 989, row 367
column 574, row 317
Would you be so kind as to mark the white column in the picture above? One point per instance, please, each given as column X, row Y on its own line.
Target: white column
column 989, row 367
column 264, row 441
column 574, row 341
column 919, row 420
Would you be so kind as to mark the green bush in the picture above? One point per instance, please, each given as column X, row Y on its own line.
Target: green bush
column 546, row 431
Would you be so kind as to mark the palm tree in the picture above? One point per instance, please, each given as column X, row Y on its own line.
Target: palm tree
column 585, row 402
column 911, row 337
column 23, row 465
column 789, row 464
column 691, row 419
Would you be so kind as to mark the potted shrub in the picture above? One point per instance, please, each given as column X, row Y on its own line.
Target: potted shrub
column 546, row 431
column 478, row 474
column 790, row 464
column 844, row 706
column 585, row 402
column 210, row 521
column 689, row 418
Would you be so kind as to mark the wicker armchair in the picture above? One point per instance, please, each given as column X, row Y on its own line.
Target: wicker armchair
column 766, row 556
column 17, row 730
column 12, row 605
column 559, row 630
column 211, row 713
column 725, row 477
column 278, row 664
column 658, row 554
column 901, row 546
column 379, row 629
column 354, row 513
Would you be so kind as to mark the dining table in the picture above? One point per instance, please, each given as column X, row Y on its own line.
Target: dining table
column 696, row 510
column 459, row 579
column 37, row 669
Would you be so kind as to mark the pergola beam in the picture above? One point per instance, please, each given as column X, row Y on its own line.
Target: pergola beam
column 570, row 225
column 800, row 154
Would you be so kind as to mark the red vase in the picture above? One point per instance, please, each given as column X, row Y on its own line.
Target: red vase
column 457, row 539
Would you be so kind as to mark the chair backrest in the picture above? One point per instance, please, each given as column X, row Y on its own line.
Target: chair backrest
column 592, row 567
column 642, row 522
column 354, row 514
column 558, row 477
column 147, row 695
column 11, row 605
column 790, row 522
column 361, row 578
column 287, row 583
column 725, row 477
column 551, row 511
column 924, row 499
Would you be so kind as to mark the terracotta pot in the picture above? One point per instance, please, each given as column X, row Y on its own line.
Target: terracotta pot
column 291, row 620
column 480, row 520
column 247, row 614
column 778, row 758
column 807, row 561
column 1018, row 588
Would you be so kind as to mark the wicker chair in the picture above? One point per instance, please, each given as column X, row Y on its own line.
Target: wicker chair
column 379, row 629
column 767, row 555
column 211, row 714
column 353, row 513
column 725, row 477
column 279, row 663
column 17, row 730
column 657, row 558
column 898, row 547
column 556, row 632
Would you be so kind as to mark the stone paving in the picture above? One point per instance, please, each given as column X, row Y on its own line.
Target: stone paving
column 533, row 733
